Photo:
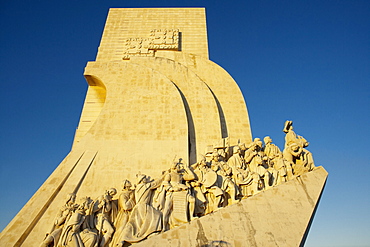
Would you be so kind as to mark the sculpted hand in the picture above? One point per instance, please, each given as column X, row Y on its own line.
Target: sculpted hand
column 74, row 228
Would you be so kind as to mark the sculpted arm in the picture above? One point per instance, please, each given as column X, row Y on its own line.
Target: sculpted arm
column 62, row 216
column 126, row 201
column 167, row 182
column 99, row 203
column 156, row 183
column 108, row 206
column 189, row 174
column 249, row 154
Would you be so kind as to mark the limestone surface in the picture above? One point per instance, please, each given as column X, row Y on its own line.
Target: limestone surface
column 174, row 126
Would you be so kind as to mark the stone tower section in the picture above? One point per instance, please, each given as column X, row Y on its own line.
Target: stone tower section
column 153, row 97
column 135, row 23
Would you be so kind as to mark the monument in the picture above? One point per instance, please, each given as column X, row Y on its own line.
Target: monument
column 163, row 154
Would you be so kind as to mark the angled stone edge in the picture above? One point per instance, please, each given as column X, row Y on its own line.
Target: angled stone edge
column 280, row 216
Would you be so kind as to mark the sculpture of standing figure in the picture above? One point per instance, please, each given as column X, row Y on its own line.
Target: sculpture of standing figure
column 144, row 219
column 271, row 150
column 76, row 232
column 105, row 211
column 126, row 202
column 62, row 217
column 207, row 186
column 241, row 173
column 257, row 163
column 272, row 153
column 224, row 180
column 284, row 171
column 295, row 153
column 179, row 204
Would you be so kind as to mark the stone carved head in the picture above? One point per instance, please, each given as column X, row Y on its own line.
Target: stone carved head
column 85, row 203
column 71, row 198
column 215, row 156
column 267, row 140
column 112, row 192
column 126, row 184
column 140, row 178
column 236, row 149
column 258, row 142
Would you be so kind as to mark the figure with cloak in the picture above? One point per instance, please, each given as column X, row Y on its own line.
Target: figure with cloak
column 144, row 219
column 243, row 177
column 126, row 202
column 208, row 186
column 62, row 217
column 77, row 231
column 224, row 180
column 256, row 161
column 179, row 204
column 275, row 159
column 105, row 211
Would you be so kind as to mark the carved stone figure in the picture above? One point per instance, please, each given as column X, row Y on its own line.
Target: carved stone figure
column 126, row 202
column 284, row 172
column 271, row 150
column 200, row 198
column 105, row 211
column 144, row 219
column 241, row 173
column 179, row 204
column 295, row 153
column 207, row 179
column 159, row 197
column 88, row 234
column 77, row 232
column 256, row 162
column 272, row 153
column 291, row 137
column 236, row 160
column 224, row 179
column 62, row 217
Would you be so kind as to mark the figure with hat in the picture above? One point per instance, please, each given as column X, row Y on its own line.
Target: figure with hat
column 126, row 201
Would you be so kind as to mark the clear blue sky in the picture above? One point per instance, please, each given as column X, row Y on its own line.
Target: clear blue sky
column 306, row 61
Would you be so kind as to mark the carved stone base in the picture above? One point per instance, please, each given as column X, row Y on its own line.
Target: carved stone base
column 280, row 216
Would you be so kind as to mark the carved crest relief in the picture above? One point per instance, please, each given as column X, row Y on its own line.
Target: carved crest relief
column 159, row 39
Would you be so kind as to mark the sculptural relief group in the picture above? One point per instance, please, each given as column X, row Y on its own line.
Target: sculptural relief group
column 223, row 176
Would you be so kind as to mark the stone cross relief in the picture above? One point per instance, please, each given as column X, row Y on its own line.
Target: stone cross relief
column 223, row 176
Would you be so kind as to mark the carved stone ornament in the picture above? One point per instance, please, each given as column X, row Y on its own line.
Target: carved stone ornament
column 159, row 39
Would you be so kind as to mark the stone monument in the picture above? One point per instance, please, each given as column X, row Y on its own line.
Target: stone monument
column 163, row 154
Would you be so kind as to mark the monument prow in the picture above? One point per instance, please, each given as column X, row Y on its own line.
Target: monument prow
column 280, row 216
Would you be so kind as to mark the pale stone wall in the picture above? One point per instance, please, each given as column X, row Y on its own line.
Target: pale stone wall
column 202, row 107
column 234, row 110
column 134, row 23
column 94, row 102
column 137, row 120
